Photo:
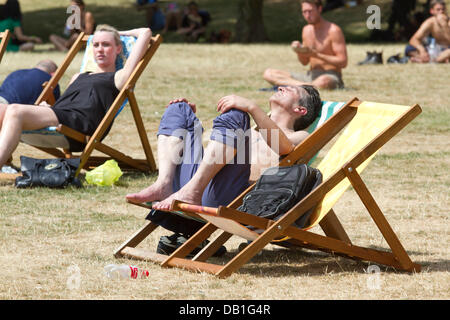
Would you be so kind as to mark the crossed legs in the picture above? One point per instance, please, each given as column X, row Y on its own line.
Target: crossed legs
column 191, row 178
column 209, row 180
column 284, row 78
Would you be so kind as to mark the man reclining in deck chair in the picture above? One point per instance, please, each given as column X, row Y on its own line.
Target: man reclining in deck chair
column 223, row 172
column 87, row 99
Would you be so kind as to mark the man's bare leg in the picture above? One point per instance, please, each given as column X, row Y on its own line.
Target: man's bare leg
column 444, row 57
column 216, row 157
column 324, row 82
column 18, row 117
column 169, row 151
column 281, row 78
column 284, row 78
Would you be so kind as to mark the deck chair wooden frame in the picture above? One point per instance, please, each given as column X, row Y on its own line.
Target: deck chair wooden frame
column 94, row 142
column 328, row 109
column 5, row 35
column 335, row 240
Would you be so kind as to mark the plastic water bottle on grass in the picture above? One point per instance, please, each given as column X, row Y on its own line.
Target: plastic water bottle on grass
column 114, row 271
column 433, row 50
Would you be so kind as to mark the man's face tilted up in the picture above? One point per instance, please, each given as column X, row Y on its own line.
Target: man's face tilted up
column 287, row 97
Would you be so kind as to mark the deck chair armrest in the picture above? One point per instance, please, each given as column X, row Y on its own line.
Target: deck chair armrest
column 73, row 134
column 223, row 212
column 185, row 214
column 142, row 205
column 50, row 98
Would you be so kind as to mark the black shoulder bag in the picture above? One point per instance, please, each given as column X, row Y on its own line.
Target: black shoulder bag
column 52, row 173
column 279, row 189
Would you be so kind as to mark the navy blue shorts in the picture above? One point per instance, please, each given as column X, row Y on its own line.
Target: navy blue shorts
column 408, row 49
column 231, row 128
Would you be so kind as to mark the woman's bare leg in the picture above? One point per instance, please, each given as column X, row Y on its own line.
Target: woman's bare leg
column 27, row 46
column 18, row 117
column 2, row 113
column 58, row 42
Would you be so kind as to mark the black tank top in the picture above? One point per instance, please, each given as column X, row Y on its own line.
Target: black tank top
column 86, row 101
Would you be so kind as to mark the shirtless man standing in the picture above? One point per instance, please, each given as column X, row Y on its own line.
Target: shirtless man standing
column 438, row 27
column 323, row 48
column 235, row 155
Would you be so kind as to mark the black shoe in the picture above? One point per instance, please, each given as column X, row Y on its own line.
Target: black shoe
column 397, row 60
column 168, row 244
column 372, row 58
column 403, row 60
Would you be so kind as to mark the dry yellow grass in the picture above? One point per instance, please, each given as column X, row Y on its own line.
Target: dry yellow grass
column 45, row 232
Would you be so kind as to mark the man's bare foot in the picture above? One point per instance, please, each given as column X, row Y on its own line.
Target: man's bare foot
column 156, row 191
column 184, row 195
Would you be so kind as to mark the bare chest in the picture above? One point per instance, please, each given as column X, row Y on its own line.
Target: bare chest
column 320, row 41
column 262, row 156
column 441, row 34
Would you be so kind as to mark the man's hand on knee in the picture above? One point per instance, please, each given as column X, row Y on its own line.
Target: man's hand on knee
column 192, row 105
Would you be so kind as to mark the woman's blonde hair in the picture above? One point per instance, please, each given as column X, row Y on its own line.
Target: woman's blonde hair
column 115, row 33
column 108, row 28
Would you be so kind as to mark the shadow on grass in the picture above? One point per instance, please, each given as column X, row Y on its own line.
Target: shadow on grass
column 285, row 263
column 282, row 263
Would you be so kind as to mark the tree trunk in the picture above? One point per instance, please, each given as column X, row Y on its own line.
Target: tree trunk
column 250, row 23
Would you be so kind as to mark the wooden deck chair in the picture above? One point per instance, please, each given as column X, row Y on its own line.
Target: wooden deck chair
column 370, row 126
column 327, row 110
column 4, row 36
column 52, row 139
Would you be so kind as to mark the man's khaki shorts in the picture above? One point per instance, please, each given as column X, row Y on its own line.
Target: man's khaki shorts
column 312, row 75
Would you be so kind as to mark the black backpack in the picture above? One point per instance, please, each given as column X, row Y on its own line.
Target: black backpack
column 279, row 189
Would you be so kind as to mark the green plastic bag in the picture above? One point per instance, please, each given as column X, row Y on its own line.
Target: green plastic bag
column 104, row 175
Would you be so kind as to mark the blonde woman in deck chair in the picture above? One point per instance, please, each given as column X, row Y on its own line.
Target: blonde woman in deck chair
column 224, row 171
column 85, row 102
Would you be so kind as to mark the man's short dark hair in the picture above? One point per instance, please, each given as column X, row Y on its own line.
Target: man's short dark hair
column 435, row 2
column 317, row 3
column 313, row 105
column 79, row 3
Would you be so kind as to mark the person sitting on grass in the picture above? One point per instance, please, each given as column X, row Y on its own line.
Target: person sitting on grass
column 438, row 28
column 87, row 99
column 11, row 19
column 87, row 25
column 323, row 48
column 194, row 22
column 234, row 155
